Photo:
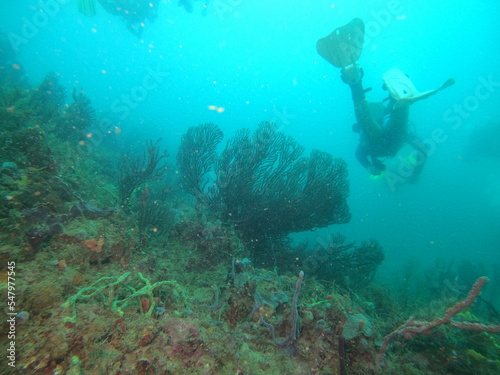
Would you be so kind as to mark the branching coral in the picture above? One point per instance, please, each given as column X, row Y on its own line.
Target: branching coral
column 95, row 289
column 47, row 100
column 136, row 171
column 154, row 216
column 107, row 288
column 348, row 264
column 196, row 157
column 413, row 327
column 80, row 114
column 147, row 290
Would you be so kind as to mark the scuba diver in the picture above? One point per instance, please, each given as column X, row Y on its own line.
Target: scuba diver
column 134, row 12
column 383, row 130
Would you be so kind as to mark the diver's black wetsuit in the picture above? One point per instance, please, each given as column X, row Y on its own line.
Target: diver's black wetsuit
column 134, row 12
column 381, row 137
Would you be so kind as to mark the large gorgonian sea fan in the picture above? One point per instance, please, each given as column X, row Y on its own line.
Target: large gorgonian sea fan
column 263, row 184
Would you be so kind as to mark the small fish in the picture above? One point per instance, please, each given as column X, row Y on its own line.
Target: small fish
column 205, row 8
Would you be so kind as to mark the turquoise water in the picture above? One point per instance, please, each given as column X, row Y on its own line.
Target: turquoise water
column 237, row 63
column 257, row 61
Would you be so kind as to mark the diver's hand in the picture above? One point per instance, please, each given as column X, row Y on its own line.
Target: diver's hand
column 351, row 74
column 377, row 167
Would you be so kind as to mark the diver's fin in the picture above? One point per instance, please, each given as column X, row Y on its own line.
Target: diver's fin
column 344, row 45
column 404, row 92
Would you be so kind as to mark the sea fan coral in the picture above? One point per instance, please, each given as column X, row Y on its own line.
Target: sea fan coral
column 264, row 186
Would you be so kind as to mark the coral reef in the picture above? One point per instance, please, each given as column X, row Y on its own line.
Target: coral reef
column 168, row 284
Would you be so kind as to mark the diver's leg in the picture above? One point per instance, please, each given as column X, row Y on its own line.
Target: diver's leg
column 353, row 75
column 365, row 122
column 370, row 132
column 361, row 110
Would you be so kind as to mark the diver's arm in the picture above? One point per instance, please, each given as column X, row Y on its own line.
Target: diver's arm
column 353, row 75
column 364, row 117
